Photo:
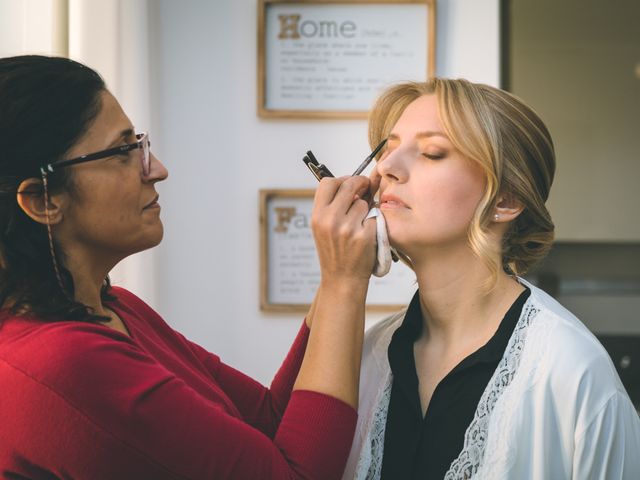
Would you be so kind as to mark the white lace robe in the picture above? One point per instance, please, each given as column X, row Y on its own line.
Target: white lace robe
column 554, row 408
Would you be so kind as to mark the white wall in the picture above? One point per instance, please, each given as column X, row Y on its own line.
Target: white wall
column 33, row 26
column 219, row 154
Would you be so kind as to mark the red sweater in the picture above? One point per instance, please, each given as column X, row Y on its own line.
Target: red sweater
column 83, row 401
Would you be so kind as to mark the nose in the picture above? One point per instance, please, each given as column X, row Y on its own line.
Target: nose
column 157, row 171
column 392, row 167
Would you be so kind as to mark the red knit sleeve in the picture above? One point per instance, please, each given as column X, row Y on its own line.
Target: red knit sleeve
column 123, row 412
column 260, row 407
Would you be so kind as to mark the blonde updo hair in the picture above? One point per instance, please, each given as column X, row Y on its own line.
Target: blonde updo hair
column 512, row 146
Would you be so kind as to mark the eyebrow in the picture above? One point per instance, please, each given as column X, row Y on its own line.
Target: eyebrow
column 419, row 135
column 431, row 134
column 124, row 133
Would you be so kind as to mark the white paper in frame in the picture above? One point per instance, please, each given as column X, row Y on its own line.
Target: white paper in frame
column 332, row 58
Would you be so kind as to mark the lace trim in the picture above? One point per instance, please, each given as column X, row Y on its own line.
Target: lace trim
column 498, row 459
column 470, row 459
column 370, row 461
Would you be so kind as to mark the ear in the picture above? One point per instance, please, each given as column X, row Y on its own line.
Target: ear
column 507, row 209
column 31, row 199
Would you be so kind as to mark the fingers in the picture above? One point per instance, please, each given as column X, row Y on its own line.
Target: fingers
column 345, row 242
column 358, row 209
column 326, row 191
column 344, row 198
column 338, row 223
column 369, row 226
column 341, row 192
column 375, row 178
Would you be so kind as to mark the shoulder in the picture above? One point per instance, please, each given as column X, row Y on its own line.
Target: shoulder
column 66, row 353
column 137, row 309
column 128, row 299
column 569, row 339
column 572, row 358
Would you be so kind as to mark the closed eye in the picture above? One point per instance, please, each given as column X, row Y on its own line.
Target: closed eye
column 433, row 156
column 123, row 155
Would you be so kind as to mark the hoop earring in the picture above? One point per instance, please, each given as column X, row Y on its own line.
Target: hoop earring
column 50, row 236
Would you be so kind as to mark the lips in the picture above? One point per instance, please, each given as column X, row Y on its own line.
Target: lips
column 388, row 200
column 152, row 203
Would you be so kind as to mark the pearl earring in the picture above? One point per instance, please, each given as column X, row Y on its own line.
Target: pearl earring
column 496, row 217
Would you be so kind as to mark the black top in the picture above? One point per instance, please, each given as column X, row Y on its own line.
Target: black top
column 424, row 448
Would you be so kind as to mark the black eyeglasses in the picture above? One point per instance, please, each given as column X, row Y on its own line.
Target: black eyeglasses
column 143, row 144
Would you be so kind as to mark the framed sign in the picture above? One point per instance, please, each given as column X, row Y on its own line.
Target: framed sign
column 289, row 266
column 332, row 58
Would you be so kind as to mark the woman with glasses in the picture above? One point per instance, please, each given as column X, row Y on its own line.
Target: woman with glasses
column 483, row 376
column 93, row 383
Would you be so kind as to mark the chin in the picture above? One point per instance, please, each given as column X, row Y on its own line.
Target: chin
column 150, row 240
column 157, row 238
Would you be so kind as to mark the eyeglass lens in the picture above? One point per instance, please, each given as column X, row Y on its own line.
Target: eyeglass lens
column 146, row 167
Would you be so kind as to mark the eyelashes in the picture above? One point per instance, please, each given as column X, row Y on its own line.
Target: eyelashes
column 431, row 156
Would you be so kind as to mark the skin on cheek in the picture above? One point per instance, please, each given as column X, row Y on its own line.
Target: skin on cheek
column 448, row 201
column 110, row 196
column 467, row 186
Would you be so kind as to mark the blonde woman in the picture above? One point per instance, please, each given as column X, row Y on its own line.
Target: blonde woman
column 484, row 376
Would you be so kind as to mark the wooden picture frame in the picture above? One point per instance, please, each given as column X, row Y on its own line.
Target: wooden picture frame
column 289, row 268
column 332, row 58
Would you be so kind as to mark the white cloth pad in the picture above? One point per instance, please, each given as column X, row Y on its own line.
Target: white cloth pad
column 383, row 255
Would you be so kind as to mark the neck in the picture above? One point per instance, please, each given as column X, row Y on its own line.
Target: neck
column 88, row 277
column 456, row 306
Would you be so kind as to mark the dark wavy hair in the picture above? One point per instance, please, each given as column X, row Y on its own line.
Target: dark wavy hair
column 46, row 105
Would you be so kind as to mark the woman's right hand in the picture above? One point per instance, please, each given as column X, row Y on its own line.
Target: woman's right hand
column 345, row 241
